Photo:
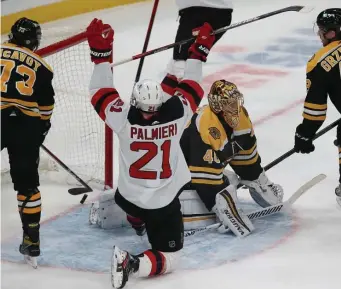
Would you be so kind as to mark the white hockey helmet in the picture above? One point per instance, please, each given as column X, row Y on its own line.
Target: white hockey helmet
column 147, row 95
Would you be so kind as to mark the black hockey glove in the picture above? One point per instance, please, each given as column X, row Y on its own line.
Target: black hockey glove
column 303, row 144
column 337, row 142
column 45, row 126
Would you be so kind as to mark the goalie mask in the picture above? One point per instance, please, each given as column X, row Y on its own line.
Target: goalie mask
column 225, row 98
column 147, row 96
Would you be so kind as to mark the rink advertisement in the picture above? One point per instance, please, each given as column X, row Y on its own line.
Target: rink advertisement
column 54, row 10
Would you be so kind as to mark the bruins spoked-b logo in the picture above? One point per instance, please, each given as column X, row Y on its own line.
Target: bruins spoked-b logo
column 214, row 132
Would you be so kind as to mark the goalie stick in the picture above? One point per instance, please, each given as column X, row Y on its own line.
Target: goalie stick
column 301, row 9
column 285, row 206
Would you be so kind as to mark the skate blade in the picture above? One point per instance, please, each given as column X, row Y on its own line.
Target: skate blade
column 116, row 268
column 32, row 261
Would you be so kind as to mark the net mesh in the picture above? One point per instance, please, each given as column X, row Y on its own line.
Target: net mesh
column 77, row 135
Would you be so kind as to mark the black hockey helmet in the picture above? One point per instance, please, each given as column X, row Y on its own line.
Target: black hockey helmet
column 25, row 32
column 330, row 20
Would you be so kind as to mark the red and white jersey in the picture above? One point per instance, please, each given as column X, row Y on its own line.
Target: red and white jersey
column 221, row 4
column 152, row 168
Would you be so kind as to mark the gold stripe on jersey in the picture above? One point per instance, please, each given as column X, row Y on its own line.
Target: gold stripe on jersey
column 329, row 56
column 206, row 121
column 206, row 175
column 33, row 60
column 28, row 108
column 207, row 182
column 45, row 111
column 206, row 170
column 246, row 157
column 245, row 126
column 313, row 111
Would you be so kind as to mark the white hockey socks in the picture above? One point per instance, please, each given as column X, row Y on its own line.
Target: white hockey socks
column 264, row 192
column 230, row 214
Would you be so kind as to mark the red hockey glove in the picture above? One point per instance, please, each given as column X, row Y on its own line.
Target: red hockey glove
column 100, row 39
column 204, row 42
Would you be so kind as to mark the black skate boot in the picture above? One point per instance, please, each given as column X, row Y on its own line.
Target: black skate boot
column 123, row 265
column 30, row 250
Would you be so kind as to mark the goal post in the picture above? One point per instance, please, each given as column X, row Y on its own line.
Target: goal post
column 78, row 136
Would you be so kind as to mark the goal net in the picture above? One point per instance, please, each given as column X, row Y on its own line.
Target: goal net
column 78, row 137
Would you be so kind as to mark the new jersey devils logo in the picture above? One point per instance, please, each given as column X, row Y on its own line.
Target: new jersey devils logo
column 117, row 105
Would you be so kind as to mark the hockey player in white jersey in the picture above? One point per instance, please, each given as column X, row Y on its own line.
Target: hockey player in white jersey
column 153, row 170
column 194, row 13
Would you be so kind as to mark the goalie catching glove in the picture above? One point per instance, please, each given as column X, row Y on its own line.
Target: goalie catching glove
column 100, row 38
column 264, row 192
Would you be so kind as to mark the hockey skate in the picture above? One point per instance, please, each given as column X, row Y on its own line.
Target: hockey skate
column 30, row 250
column 338, row 194
column 123, row 265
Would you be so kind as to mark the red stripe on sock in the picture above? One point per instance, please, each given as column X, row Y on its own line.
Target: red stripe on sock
column 152, row 259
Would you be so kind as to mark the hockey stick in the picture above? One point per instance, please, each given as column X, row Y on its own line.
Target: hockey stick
column 302, row 9
column 146, row 41
column 73, row 191
column 268, row 210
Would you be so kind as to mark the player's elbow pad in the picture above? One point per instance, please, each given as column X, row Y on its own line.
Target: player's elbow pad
column 102, row 77
column 193, row 70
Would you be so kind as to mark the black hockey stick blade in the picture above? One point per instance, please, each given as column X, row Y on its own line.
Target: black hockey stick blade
column 79, row 191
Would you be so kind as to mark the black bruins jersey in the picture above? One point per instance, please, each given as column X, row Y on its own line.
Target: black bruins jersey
column 26, row 82
column 323, row 79
column 205, row 144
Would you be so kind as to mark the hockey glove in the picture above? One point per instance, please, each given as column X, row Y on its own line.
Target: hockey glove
column 100, row 39
column 203, row 44
column 303, row 144
column 337, row 142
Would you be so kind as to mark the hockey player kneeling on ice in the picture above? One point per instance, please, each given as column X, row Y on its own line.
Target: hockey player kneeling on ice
column 218, row 134
column 153, row 170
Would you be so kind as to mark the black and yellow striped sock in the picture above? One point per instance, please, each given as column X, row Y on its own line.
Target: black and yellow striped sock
column 29, row 206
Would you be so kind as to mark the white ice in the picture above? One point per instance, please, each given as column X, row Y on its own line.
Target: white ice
column 311, row 258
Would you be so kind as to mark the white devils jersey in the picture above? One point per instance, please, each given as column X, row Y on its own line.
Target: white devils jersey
column 221, row 4
column 152, row 166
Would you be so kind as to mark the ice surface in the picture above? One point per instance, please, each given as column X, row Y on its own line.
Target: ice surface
column 266, row 59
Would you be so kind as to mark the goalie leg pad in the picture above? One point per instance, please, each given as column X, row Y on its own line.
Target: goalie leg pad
column 106, row 214
column 230, row 215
